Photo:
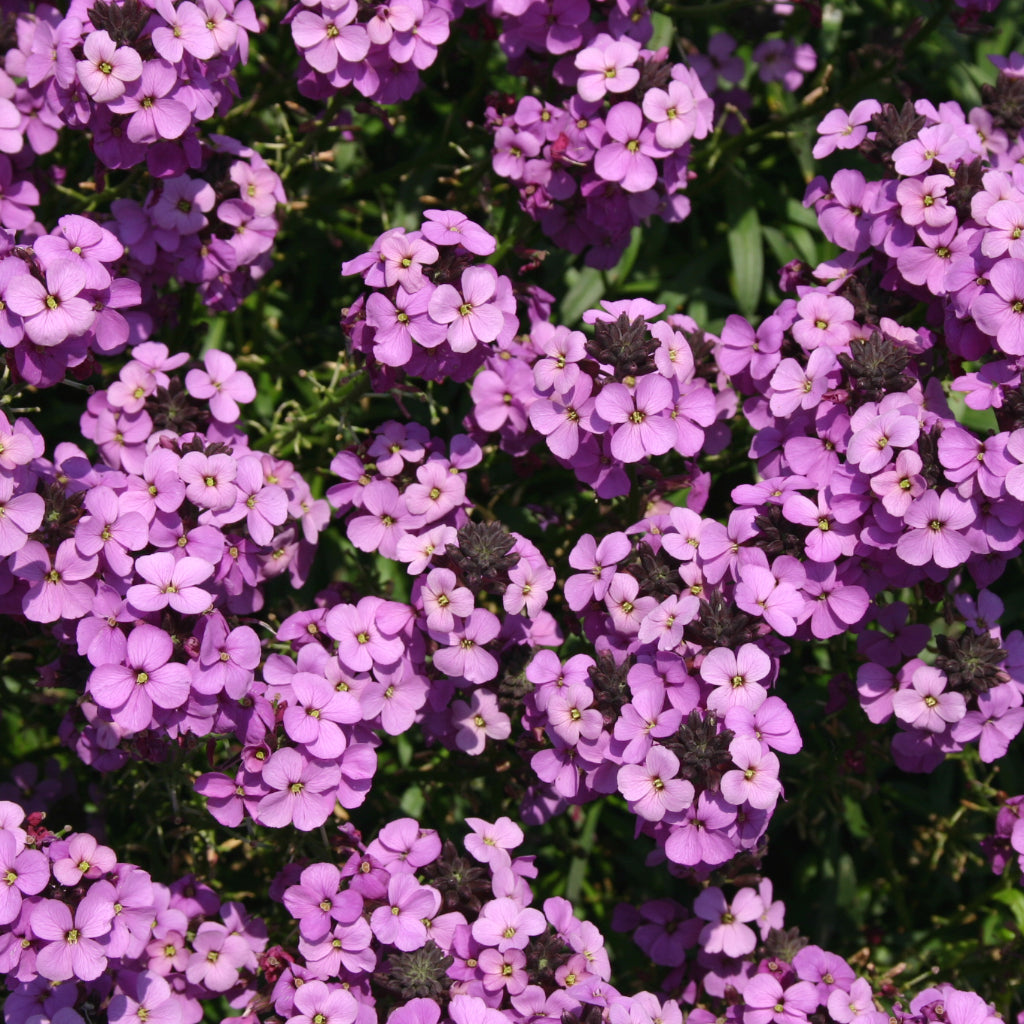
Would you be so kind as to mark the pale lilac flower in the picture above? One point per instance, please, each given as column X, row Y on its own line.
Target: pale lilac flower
column 935, row 521
column 478, row 721
column 58, row 589
column 54, row 311
column 22, row 873
column 129, row 691
column 153, row 113
column 171, row 582
column 926, row 704
column 400, row 921
column 473, row 316
column 642, row 429
column 489, row 842
column 607, row 66
column 652, row 788
column 107, row 67
column 767, row 1002
column 727, row 931
column 71, row 948
column 222, row 383
column 303, row 792
column 756, row 778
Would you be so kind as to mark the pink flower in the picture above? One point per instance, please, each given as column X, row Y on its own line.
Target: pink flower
column 400, row 921
column 222, row 383
column 56, row 590
column 726, row 931
column 926, row 704
column 472, row 316
column 107, row 67
column 652, row 788
column 171, row 582
column 54, row 311
column 149, row 677
column 302, row 792
column 71, row 949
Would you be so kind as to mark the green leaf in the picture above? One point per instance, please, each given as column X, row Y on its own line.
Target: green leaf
column 746, row 252
column 1014, row 899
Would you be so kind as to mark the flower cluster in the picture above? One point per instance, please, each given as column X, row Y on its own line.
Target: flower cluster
column 138, row 77
column 612, row 153
column 435, row 305
column 875, row 484
column 82, row 929
column 379, row 50
column 61, row 300
column 405, row 928
column 139, row 80
column 147, row 560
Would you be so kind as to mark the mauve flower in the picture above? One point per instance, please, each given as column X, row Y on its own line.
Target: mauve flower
column 642, row 428
column 184, row 30
column 767, row 1002
column 652, row 788
column 302, row 791
column 464, row 656
column 71, row 949
column 222, row 383
column 726, row 931
column 61, row 589
column 472, row 316
column 153, row 114
column 607, row 66
column 935, row 521
column 218, row 956
column 926, row 704
column 400, row 921
column 22, row 873
column 107, row 67
column 54, row 311
column 756, row 779
column 171, row 582
column 450, row 227
column 319, row 1003
column 150, row 677
column 628, row 157
column 20, row 514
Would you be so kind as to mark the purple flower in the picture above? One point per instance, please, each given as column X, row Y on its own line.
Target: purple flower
column 320, row 1003
column 22, row 873
column 222, row 383
column 505, row 924
column 768, row 1003
column 726, row 931
column 449, row 227
column 400, row 921
column 107, row 67
column 652, row 788
column 54, row 311
column 171, row 583
column 218, row 956
column 934, row 522
column 627, row 158
column 472, row 316
column 464, row 656
column 55, row 590
column 926, row 704
column 998, row 721
column 149, row 678
column 607, row 66
column 643, row 430
column 756, row 779
column 153, row 114
column 302, row 791
column 71, row 949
